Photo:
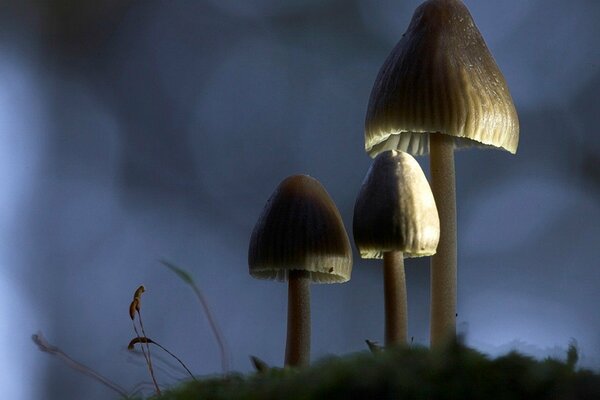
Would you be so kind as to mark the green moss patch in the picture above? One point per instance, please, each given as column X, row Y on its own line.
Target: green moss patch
column 456, row 372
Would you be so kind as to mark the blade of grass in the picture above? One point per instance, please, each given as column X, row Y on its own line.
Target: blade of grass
column 187, row 278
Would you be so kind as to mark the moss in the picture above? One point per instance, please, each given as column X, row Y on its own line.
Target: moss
column 456, row 372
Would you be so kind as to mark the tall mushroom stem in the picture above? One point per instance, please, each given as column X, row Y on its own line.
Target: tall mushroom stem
column 443, row 263
column 297, row 349
column 394, row 287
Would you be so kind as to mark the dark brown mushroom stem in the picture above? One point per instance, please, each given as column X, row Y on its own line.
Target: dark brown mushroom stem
column 297, row 349
column 443, row 263
column 396, row 312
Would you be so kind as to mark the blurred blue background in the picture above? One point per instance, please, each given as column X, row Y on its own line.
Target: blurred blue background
column 132, row 131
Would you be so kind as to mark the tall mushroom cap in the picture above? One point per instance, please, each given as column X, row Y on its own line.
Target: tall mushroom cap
column 440, row 77
column 300, row 228
column 395, row 209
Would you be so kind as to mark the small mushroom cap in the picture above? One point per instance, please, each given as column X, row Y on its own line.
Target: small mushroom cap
column 440, row 77
column 300, row 228
column 395, row 209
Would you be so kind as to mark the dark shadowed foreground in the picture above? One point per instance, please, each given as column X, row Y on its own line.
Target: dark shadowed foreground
column 456, row 372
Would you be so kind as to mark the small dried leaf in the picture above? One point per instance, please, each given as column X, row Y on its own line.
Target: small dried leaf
column 43, row 345
column 138, row 292
column 136, row 340
column 374, row 347
column 133, row 307
column 259, row 364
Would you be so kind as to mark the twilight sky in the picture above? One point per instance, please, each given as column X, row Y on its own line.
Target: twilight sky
column 137, row 131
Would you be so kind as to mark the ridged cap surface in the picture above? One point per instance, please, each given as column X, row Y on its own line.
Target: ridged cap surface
column 395, row 209
column 440, row 77
column 300, row 228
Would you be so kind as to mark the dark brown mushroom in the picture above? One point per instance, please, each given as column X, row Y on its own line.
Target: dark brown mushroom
column 300, row 237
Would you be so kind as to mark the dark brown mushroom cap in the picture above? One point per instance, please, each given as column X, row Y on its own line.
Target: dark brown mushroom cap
column 300, row 228
column 395, row 209
column 440, row 77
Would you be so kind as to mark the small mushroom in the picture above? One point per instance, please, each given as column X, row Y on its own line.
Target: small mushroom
column 395, row 217
column 300, row 237
column 440, row 88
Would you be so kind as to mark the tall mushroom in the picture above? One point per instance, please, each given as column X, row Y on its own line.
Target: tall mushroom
column 440, row 88
column 300, row 237
column 395, row 217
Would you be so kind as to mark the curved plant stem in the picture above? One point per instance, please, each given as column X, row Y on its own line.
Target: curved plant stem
column 443, row 263
column 141, row 340
column 394, row 285
column 46, row 347
column 187, row 278
column 215, row 328
column 146, row 353
column 297, row 349
column 178, row 360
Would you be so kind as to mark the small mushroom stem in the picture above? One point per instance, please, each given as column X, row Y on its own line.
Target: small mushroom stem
column 297, row 349
column 443, row 263
column 394, row 288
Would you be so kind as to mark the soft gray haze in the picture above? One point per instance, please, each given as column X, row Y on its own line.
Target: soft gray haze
column 132, row 131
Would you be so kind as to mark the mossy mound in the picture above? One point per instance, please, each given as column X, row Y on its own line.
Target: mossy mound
column 456, row 372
